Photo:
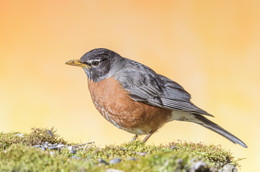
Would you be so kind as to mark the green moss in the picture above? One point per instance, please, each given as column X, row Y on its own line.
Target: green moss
column 211, row 153
column 37, row 136
column 23, row 158
column 18, row 154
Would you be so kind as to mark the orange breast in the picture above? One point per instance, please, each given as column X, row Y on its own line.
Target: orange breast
column 115, row 105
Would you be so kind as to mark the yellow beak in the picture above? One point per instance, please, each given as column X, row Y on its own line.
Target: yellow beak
column 77, row 63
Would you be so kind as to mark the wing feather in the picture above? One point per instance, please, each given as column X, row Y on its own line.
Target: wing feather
column 144, row 85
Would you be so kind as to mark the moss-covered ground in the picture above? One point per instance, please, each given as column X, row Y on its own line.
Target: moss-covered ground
column 44, row 150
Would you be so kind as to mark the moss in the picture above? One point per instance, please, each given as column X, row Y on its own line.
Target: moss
column 37, row 136
column 211, row 153
column 23, row 158
column 18, row 154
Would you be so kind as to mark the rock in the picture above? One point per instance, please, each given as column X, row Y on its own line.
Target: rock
column 60, row 145
column 179, row 162
column 199, row 166
column 115, row 161
column 142, row 153
column 228, row 168
column 53, row 147
column 45, row 145
column 36, row 146
column 173, row 147
column 75, row 157
column 72, row 151
column 20, row 135
column 101, row 161
column 132, row 158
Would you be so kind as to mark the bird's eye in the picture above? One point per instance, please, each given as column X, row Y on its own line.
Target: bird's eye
column 95, row 63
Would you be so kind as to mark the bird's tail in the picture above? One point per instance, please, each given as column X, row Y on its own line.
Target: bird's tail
column 201, row 120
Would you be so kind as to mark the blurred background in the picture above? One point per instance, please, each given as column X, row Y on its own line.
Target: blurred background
column 212, row 48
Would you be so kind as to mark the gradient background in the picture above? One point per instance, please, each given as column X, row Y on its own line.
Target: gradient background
column 212, row 48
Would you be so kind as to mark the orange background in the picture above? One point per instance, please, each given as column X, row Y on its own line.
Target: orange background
column 212, row 48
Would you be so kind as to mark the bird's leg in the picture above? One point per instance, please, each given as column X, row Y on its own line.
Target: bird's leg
column 134, row 138
column 149, row 135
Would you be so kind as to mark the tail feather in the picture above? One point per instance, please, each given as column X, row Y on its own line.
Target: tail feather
column 201, row 120
column 214, row 127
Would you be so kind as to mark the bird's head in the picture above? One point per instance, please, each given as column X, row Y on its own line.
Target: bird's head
column 98, row 63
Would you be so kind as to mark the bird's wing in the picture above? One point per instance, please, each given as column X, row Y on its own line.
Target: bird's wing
column 144, row 85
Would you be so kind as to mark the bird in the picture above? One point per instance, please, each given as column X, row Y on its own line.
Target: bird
column 134, row 98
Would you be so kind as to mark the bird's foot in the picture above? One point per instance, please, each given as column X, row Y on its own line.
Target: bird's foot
column 134, row 138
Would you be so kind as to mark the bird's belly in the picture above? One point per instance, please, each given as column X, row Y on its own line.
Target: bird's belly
column 107, row 115
column 130, row 122
column 116, row 106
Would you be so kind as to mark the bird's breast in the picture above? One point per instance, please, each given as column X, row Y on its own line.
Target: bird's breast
column 116, row 106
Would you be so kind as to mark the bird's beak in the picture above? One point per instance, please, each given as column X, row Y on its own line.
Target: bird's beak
column 77, row 63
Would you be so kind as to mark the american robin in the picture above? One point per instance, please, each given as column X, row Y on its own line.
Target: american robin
column 136, row 99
